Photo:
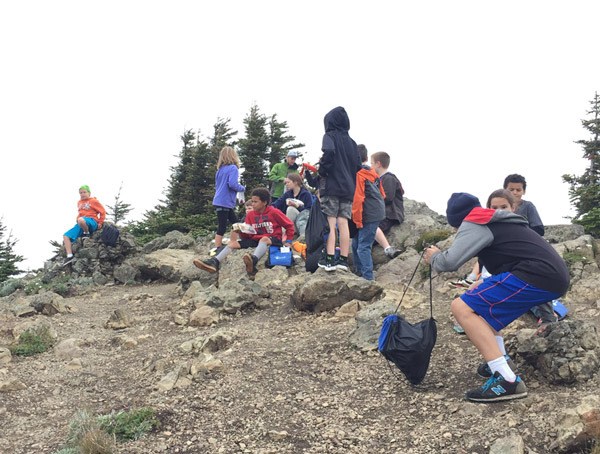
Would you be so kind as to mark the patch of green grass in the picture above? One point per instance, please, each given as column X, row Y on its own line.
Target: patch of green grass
column 431, row 237
column 572, row 257
column 31, row 344
column 129, row 425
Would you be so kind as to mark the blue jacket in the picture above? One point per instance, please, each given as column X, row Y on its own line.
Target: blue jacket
column 227, row 186
column 303, row 195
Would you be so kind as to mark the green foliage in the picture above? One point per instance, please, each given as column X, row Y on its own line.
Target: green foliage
column 120, row 209
column 253, row 150
column 31, row 344
column 188, row 203
column 129, row 425
column 98, row 435
column 86, row 436
column 68, row 451
column 8, row 258
column 590, row 222
column 33, row 286
column 424, row 271
column 279, row 142
column 584, row 190
column 431, row 237
column 59, row 284
column 573, row 257
column 10, row 286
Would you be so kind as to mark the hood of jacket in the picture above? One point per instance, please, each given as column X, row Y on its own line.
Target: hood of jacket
column 337, row 120
column 484, row 216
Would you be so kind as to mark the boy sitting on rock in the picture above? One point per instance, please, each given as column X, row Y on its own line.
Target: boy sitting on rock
column 263, row 228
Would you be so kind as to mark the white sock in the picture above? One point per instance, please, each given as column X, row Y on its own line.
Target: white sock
column 500, row 365
column 69, row 256
column 500, row 342
column 224, row 253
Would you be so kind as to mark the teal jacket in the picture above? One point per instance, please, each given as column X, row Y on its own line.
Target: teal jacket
column 277, row 175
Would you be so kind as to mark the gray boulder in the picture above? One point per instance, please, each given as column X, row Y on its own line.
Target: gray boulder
column 563, row 353
column 323, row 292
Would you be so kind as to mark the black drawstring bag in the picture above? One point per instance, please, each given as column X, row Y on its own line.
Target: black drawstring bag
column 406, row 345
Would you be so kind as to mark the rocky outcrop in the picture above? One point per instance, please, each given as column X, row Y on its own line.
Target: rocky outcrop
column 563, row 353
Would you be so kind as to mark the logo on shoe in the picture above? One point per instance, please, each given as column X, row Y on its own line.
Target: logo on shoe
column 498, row 390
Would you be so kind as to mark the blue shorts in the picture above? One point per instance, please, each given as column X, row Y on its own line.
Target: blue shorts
column 502, row 298
column 77, row 231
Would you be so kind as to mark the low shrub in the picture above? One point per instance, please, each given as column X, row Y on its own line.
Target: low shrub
column 31, row 344
column 129, row 425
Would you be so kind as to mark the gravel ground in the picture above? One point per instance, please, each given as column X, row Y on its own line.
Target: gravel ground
column 291, row 383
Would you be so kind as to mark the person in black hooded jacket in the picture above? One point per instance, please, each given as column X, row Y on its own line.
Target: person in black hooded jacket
column 337, row 168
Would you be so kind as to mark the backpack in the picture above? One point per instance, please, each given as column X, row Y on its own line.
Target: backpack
column 109, row 235
column 408, row 346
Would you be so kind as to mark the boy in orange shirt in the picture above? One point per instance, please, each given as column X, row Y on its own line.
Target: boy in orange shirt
column 90, row 217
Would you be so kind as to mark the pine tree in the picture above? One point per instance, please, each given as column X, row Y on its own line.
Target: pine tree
column 584, row 190
column 280, row 143
column 188, row 203
column 8, row 258
column 253, row 150
column 179, row 173
column 120, row 209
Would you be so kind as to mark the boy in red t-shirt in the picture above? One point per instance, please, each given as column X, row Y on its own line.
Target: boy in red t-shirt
column 264, row 228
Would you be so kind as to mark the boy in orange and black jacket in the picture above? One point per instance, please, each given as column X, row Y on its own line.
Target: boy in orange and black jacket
column 368, row 210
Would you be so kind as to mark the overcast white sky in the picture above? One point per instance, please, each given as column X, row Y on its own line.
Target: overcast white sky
column 460, row 94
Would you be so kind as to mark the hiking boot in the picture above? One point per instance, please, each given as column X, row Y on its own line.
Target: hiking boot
column 341, row 264
column 461, row 283
column 496, row 389
column 211, row 265
column 250, row 261
column 484, row 370
column 392, row 252
column 68, row 260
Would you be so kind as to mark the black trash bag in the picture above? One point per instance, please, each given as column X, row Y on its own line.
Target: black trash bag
column 408, row 346
column 316, row 227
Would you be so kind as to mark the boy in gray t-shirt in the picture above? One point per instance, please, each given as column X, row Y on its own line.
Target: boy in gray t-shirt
column 517, row 185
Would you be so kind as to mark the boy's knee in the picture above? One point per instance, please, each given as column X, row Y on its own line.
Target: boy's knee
column 265, row 239
column 459, row 308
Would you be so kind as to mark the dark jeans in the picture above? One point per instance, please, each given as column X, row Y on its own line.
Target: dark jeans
column 361, row 249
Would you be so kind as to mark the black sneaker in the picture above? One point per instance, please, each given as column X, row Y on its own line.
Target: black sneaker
column 496, row 389
column 68, row 260
column 327, row 264
column 86, row 234
column 250, row 262
column 484, row 370
column 341, row 264
column 211, row 265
